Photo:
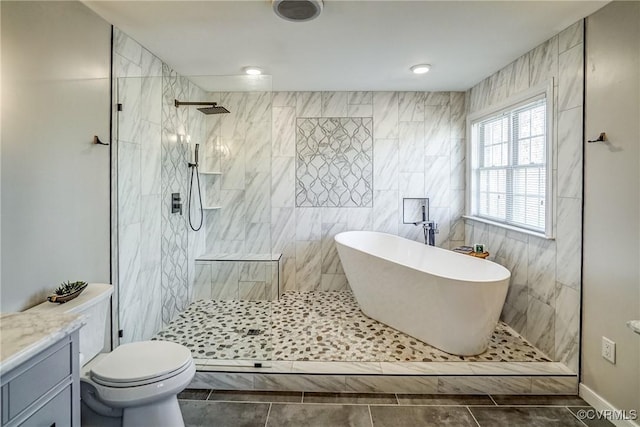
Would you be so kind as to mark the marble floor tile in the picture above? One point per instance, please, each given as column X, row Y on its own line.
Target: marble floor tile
column 222, row 381
column 193, row 394
column 526, row 368
column 205, row 414
column 554, row 384
column 328, row 409
column 524, row 417
column 538, row 400
column 445, row 399
column 351, row 398
column 318, row 415
column 320, row 383
column 391, row 384
column 256, row 396
column 592, row 423
column 484, row 384
column 423, row 416
column 360, row 368
column 427, row 368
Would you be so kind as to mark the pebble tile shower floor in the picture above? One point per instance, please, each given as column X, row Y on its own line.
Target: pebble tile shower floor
column 318, row 326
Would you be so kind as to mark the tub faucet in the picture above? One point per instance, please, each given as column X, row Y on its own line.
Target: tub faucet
column 429, row 229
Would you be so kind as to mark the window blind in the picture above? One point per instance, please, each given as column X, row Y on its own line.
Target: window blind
column 510, row 169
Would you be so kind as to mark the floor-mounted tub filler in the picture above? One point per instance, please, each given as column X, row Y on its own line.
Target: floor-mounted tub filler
column 448, row 300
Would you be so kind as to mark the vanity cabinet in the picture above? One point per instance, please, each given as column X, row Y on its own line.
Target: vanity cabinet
column 44, row 391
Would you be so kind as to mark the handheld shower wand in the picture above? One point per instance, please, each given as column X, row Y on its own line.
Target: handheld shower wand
column 194, row 169
column 195, row 157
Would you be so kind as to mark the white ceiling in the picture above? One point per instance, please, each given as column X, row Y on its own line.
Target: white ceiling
column 353, row 45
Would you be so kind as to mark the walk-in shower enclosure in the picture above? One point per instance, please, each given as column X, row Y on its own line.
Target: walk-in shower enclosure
column 162, row 266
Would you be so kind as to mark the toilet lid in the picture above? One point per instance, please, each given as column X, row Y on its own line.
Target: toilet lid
column 141, row 361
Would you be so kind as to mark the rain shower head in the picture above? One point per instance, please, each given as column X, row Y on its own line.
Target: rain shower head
column 212, row 107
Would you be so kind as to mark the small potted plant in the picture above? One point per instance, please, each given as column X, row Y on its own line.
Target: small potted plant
column 67, row 291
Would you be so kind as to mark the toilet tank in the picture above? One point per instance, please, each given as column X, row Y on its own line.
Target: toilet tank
column 94, row 303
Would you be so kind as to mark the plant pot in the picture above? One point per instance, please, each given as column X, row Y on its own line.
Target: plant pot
column 66, row 297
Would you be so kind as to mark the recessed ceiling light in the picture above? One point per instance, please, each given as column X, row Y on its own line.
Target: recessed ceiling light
column 253, row 71
column 421, row 68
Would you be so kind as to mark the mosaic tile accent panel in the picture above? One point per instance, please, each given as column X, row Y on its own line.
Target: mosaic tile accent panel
column 321, row 326
column 174, row 279
column 334, row 162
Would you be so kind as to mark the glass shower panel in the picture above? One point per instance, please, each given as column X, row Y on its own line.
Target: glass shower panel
column 210, row 289
column 137, row 152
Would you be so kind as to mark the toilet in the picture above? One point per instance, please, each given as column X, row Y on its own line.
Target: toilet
column 137, row 383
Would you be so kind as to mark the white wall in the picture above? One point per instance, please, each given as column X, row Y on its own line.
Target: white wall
column 611, row 276
column 55, row 182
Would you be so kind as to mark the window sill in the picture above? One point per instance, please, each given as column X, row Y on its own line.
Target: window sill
column 508, row 227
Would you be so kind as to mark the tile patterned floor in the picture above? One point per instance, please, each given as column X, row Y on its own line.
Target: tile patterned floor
column 318, row 326
column 270, row 409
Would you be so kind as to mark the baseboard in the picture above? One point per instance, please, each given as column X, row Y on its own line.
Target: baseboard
column 600, row 404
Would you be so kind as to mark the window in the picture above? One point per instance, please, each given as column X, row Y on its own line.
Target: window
column 510, row 172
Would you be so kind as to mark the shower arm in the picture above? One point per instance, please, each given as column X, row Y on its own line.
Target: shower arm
column 180, row 103
column 209, row 107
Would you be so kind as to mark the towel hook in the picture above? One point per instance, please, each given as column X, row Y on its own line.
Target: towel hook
column 96, row 140
column 601, row 138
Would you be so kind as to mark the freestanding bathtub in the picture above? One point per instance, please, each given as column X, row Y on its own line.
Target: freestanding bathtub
column 448, row 300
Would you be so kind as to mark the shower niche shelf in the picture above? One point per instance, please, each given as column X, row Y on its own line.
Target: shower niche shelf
column 211, row 208
column 210, row 173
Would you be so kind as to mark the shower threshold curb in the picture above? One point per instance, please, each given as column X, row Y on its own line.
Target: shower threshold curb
column 387, row 377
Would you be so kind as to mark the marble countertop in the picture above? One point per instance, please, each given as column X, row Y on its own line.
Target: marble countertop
column 23, row 335
column 634, row 325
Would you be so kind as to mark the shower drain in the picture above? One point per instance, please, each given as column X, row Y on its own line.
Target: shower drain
column 254, row 332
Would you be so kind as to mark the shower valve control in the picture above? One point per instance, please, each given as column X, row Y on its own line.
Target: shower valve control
column 176, row 203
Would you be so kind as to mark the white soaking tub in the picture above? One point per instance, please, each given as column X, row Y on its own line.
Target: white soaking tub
column 448, row 300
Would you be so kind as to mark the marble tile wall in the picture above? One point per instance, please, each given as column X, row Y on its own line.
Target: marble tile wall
column 418, row 151
column 198, row 129
column 238, row 145
column 234, row 280
column 154, row 273
column 405, row 384
column 543, row 303
column 179, row 243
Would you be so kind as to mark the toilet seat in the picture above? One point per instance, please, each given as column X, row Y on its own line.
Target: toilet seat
column 122, row 384
column 136, row 374
column 141, row 363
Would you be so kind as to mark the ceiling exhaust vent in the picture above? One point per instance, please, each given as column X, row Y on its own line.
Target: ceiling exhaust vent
column 297, row 10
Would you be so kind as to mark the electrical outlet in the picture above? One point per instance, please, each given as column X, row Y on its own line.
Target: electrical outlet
column 609, row 350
